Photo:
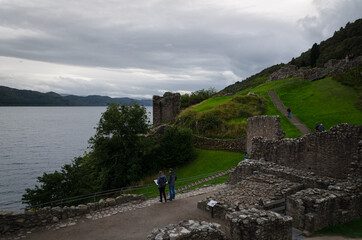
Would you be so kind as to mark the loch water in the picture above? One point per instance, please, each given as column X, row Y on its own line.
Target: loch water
column 34, row 140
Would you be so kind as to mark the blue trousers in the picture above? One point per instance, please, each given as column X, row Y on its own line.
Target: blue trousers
column 172, row 192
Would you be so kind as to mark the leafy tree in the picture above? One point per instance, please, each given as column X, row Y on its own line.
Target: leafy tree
column 174, row 149
column 314, row 54
column 117, row 154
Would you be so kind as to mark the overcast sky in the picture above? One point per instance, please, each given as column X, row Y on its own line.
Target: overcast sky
column 140, row 48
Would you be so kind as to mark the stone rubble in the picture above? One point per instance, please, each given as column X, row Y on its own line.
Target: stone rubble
column 188, row 229
column 258, row 224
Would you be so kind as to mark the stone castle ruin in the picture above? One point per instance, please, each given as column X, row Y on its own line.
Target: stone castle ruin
column 166, row 108
column 306, row 183
column 315, row 179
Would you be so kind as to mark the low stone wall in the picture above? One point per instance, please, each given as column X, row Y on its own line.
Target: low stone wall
column 335, row 153
column 256, row 224
column 12, row 221
column 267, row 127
column 188, row 229
column 233, row 145
column 314, row 209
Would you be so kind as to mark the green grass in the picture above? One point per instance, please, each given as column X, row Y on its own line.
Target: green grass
column 325, row 101
column 291, row 131
column 211, row 103
column 351, row 229
column 206, row 161
column 209, row 161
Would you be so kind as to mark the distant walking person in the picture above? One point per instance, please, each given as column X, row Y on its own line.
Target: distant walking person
column 171, row 184
column 316, row 128
column 289, row 111
column 161, row 183
column 321, row 127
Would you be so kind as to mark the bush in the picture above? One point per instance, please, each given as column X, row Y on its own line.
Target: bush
column 196, row 97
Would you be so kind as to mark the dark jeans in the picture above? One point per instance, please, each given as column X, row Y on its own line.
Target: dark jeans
column 162, row 191
column 172, row 192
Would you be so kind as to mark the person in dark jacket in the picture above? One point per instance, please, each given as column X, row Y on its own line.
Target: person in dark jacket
column 289, row 112
column 161, row 184
column 171, row 184
column 316, row 128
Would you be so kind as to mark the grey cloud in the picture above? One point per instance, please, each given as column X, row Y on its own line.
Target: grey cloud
column 164, row 36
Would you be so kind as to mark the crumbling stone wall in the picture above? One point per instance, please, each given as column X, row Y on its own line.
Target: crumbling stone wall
column 233, row 145
column 166, row 108
column 314, row 209
column 263, row 126
column 334, row 153
column 12, row 221
column 188, row 229
column 258, row 224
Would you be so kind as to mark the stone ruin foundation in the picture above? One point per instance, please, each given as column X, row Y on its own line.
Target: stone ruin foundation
column 289, row 170
column 166, row 108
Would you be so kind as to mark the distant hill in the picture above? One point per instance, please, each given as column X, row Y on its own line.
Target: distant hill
column 346, row 41
column 16, row 97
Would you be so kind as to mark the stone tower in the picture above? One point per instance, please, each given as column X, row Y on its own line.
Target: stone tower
column 166, row 108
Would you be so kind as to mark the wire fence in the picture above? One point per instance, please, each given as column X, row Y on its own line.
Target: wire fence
column 148, row 191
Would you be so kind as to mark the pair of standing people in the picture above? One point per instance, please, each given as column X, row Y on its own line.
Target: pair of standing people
column 162, row 181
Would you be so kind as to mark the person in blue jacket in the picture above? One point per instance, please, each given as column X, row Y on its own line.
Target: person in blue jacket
column 161, row 184
column 171, row 184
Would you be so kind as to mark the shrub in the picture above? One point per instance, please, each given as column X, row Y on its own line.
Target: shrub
column 196, row 97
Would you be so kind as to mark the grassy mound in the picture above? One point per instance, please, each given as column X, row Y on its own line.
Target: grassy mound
column 222, row 117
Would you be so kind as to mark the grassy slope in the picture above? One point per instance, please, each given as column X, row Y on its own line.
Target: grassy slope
column 351, row 229
column 325, row 101
column 211, row 103
column 290, row 130
column 209, row 161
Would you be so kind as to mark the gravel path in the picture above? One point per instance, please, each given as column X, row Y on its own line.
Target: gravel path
column 278, row 104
